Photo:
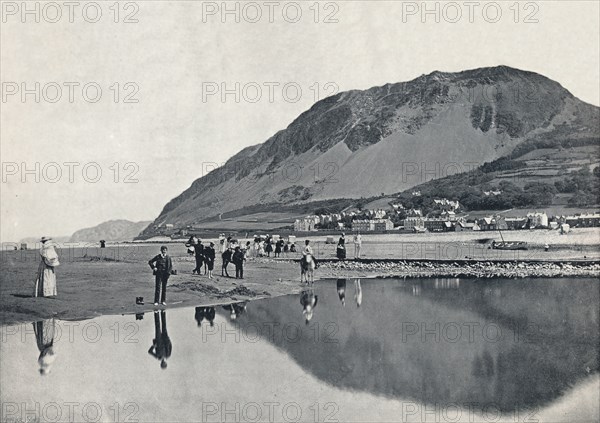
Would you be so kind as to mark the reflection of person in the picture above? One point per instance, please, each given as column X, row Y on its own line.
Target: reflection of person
column 162, row 266
column 341, row 290
column 309, row 300
column 357, row 292
column 44, row 336
column 45, row 283
column 235, row 309
column 357, row 245
column 161, row 344
column 207, row 313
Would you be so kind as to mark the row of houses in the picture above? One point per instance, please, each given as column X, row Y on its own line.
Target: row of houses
column 370, row 225
column 535, row 220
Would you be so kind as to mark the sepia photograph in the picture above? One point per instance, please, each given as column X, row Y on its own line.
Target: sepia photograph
column 310, row 211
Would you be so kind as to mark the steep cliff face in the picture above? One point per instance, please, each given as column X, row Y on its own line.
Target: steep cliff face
column 386, row 139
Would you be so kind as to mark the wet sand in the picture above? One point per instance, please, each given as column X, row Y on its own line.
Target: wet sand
column 96, row 281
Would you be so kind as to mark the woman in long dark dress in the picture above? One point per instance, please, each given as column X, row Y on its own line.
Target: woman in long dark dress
column 278, row 248
column 341, row 249
column 269, row 248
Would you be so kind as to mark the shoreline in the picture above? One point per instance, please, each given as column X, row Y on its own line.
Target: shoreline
column 109, row 293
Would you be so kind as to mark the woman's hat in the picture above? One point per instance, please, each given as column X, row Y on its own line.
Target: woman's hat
column 44, row 239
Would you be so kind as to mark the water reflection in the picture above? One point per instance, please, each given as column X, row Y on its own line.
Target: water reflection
column 161, row 344
column 357, row 292
column 512, row 343
column 235, row 309
column 207, row 313
column 309, row 300
column 494, row 344
column 341, row 290
column 44, row 335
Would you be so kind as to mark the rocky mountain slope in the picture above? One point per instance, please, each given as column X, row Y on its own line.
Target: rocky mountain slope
column 388, row 139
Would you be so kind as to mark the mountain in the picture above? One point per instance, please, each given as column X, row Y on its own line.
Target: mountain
column 113, row 230
column 387, row 139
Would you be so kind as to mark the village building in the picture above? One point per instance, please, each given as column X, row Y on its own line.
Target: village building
column 463, row 226
column 537, row 220
column 437, row 224
column 306, row 224
column 410, row 223
column 492, row 224
column 363, row 225
column 382, row 225
column 446, row 205
column 514, row 223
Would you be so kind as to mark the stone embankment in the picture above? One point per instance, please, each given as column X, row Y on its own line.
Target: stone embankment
column 478, row 269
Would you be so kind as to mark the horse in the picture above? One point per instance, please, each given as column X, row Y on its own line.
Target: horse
column 307, row 269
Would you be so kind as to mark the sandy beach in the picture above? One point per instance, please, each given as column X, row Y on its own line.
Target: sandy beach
column 94, row 281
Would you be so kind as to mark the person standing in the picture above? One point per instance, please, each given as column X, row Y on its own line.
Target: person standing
column 341, row 249
column 238, row 260
column 226, row 256
column 199, row 253
column 269, row 247
column 45, row 283
column 278, row 248
column 162, row 266
column 357, row 245
column 209, row 259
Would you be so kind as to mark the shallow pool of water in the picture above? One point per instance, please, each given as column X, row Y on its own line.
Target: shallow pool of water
column 347, row 350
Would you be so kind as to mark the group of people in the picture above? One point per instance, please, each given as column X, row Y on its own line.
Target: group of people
column 341, row 246
column 268, row 245
column 230, row 250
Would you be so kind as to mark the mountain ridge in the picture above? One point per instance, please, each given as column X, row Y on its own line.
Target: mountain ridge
column 358, row 143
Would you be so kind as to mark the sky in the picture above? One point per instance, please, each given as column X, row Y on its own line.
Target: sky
column 109, row 112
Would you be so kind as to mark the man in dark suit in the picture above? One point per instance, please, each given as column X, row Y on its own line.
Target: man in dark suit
column 199, row 253
column 162, row 267
column 238, row 260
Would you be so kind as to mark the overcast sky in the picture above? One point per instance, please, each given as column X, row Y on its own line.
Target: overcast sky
column 174, row 60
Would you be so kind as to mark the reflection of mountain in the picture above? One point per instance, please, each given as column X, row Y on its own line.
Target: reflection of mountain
column 419, row 347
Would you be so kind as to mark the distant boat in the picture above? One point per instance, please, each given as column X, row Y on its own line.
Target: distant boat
column 509, row 245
